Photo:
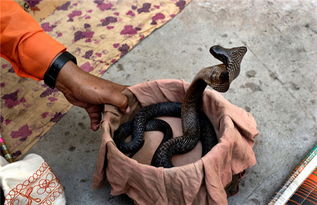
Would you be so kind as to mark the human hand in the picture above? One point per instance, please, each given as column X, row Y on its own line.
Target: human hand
column 89, row 92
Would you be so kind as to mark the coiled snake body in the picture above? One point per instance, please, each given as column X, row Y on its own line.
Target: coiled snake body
column 196, row 126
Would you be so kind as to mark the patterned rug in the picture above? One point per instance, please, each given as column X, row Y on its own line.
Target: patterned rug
column 40, row 9
column 98, row 33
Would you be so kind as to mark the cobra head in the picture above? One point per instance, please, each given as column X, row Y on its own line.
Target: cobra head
column 231, row 58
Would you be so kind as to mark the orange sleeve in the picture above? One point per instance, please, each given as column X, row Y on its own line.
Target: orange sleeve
column 24, row 43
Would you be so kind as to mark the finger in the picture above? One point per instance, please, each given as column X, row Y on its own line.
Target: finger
column 94, row 113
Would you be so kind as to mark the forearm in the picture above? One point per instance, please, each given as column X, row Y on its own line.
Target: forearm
column 89, row 88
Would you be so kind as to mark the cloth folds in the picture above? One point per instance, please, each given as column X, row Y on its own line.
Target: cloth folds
column 195, row 179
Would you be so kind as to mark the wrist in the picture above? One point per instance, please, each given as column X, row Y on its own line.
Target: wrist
column 52, row 73
column 68, row 77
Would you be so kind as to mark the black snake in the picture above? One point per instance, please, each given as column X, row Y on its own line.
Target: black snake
column 196, row 126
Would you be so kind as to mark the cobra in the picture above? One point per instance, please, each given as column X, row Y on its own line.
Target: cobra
column 196, row 126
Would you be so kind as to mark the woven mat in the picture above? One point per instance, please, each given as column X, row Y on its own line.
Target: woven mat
column 98, row 33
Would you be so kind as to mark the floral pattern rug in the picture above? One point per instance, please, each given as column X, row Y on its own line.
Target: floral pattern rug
column 40, row 9
column 98, row 33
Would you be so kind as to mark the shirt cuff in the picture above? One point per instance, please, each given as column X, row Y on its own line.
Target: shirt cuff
column 36, row 54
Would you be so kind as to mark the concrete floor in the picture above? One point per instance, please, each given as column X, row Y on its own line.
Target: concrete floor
column 277, row 84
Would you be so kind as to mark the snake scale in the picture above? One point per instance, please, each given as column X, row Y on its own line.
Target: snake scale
column 196, row 125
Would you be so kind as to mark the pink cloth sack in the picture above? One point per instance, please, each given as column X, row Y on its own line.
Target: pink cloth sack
column 195, row 180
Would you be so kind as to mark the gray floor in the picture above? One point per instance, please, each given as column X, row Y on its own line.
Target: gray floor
column 277, row 84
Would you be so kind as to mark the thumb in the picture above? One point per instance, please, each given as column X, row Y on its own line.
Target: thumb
column 119, row 100
column 116, row 98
